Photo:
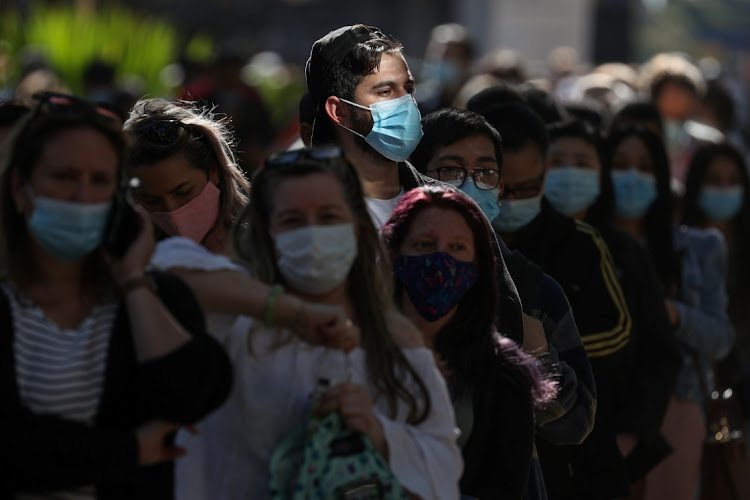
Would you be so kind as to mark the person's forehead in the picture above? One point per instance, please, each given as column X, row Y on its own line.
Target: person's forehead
column 528, row 158
column 470, row 146
column 392, row 66
column 439, row 221
column 571, row 143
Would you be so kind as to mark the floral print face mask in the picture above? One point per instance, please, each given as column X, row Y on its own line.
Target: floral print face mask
column 435, row 282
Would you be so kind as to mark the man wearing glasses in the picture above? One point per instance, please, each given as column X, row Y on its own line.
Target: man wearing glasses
column 461, row 148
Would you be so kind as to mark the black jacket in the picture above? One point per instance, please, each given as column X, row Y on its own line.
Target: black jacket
column 46, row 452
column 575, row 255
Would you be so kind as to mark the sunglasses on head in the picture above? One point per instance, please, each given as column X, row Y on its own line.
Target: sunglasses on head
column 65, row 105
column 164, row 132
column 295, row 155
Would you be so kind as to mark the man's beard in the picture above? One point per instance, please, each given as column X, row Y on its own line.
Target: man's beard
column 362, row 124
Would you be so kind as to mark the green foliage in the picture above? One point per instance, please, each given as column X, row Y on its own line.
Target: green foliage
column 70, row 38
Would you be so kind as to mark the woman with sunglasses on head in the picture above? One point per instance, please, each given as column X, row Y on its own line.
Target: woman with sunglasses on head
column 444, row 266
column 692, row 265
column 102, row 361
column 307, row 229
column 193, row 189
column 189, row 180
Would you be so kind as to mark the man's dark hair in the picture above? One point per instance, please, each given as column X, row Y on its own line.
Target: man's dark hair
column 590, row 111
column 448, row 126
column 337, row 63
column 639, row 112
column 518, row 125
column 543, row 103
column 497, row 95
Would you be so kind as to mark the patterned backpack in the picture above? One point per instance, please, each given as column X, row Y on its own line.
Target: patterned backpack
column 326, row 461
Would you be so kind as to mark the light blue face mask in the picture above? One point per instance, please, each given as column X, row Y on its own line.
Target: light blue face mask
column 635, row 192
column 69, row 231
column 515, row 214
column 721, row 204
column 486, row 199
column 571, row 189
column 396, row 127
column 444, row 73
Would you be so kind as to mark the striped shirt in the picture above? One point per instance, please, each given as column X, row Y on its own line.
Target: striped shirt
column 60, row 371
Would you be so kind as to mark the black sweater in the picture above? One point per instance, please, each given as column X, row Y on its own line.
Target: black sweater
column 575, row 255
column 46, row 452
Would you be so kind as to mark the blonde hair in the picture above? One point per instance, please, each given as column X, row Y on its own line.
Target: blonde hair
column 209, row 140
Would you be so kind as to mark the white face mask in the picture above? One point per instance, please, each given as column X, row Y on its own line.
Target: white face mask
column 316, row 259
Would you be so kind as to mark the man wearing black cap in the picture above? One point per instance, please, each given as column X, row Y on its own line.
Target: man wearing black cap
column 363, row 94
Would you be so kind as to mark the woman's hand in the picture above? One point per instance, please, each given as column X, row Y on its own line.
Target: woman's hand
column 321, row 324
column 151, row 446
column 138, row 255
column 354, row 404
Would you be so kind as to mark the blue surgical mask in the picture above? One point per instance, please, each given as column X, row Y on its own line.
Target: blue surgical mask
column 486, row 199
column 444, row 73
column 515, row 214
column 68, row 230
column 396, row 127
column 721, row 204
column 572, row 189
column 635, row 192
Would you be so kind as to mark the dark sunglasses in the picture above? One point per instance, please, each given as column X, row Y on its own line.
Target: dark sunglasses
column 68, row 106
column 295, row 155
column 163, row 133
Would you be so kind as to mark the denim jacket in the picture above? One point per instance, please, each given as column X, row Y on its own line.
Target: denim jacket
column 702, row 305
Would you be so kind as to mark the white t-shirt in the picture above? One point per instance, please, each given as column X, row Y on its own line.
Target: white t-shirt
column 381, row 210
column 230, row 456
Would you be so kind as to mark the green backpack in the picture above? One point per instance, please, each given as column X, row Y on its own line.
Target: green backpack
column 326, row 461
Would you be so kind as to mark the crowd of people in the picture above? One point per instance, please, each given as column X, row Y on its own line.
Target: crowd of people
column 511, row 288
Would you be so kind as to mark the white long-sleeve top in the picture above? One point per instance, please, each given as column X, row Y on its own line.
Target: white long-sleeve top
column 229, row 458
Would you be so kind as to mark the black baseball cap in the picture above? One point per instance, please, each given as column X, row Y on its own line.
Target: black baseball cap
column 330, row 50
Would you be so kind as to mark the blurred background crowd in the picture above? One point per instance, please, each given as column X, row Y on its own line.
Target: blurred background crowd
column 247, row 58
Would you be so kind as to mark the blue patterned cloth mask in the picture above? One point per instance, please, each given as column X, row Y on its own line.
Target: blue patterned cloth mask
column 515, row 214
column 396, row 127
column 486, row 199
column 435, row 282
column 66, row 229
column 571, row 189
column 635, row 192
column 721, row 204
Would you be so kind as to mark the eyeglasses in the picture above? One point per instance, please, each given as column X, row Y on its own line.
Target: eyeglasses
column 484, row 178
column 295, row 155
column 68, row 106
column 528, row 189
column 163, row 133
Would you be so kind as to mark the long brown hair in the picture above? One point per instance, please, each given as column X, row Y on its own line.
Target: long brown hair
column 207, row 145
column 369, row 286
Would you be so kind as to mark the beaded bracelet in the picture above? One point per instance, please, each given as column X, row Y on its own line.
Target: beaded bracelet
column 273, row 298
